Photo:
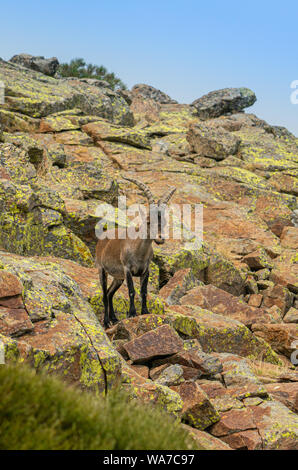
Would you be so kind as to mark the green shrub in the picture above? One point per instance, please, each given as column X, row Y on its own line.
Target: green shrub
column 78, row 68
column 41, row 412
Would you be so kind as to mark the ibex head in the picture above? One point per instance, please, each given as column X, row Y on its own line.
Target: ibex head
column 155, row 220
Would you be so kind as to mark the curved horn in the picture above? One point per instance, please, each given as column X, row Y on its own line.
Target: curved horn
column 143, row 187
column 167, row 196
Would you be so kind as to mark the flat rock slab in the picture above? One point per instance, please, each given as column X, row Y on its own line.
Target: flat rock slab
column 223, row 303
column 233, row 421
column 218, row 333
column 162, row 341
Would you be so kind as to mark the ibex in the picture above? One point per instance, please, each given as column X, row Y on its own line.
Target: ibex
column 125, row 258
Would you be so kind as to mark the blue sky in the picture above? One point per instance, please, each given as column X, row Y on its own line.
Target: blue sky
column 184, row 47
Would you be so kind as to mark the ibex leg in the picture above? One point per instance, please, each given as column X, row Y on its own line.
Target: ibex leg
column 111, row 291
column 131, row 290
column 144, row 283
column 103, row 281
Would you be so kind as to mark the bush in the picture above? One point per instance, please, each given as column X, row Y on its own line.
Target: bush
column 78, row 68
column 41, row 412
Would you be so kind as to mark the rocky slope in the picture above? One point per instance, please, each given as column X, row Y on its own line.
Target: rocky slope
column 216, row 347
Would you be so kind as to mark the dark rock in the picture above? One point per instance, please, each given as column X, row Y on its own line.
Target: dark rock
column 225, row 101
column 37, row 63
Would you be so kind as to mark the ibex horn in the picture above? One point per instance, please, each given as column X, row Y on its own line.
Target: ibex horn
column 167, row 196
column 143, row 187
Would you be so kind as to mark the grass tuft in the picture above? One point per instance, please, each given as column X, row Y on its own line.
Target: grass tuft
column 40, row 412
column 267, row 372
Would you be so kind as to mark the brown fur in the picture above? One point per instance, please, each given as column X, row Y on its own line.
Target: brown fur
column 124, row 258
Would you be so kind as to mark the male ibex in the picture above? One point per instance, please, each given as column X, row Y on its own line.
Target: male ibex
column 125, row 258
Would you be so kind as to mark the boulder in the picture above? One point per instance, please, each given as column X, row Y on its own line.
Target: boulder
column 233, row 421
column 291, row 316
column 158, row 395
column 207, row 141
column 222, row 273
column 269, row 426
column 38, row 63
column 237, row 371
column 225, row 101
column 217, row 333
column 279, row 296
column 105, row 131
column 171, row 375
column 257, row 260
column 197, row 409
column 149, row 92
column 163, row 341
column 255, row 300
column 131, row 328
column 14, row 122
column 30, row 228
column 55, row 329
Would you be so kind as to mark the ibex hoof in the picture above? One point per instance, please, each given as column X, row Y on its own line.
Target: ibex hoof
column 131, row 315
